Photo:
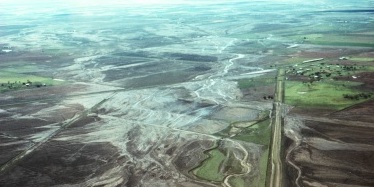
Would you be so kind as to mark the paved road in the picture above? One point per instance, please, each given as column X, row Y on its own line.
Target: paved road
column 275, row 172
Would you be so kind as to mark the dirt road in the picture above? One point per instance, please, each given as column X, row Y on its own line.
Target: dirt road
column 275, row 169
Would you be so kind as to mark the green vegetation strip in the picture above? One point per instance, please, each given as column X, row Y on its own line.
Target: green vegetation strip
column 362, row 59
column 21, row 69
column 6, row 76
column 263, row 168
column 337, row 40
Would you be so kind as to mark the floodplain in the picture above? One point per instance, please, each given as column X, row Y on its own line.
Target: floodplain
column 184, row 94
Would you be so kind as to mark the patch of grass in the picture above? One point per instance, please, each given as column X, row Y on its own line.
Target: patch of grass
column 369, row 68
column 232, row 164
column 210, row 168
column 263, row 167
column 301, row 29
column 338, row 40
column 296, row 60
column 259, row 133
column 255, row 82
column 224, row 132
column 362, row 59
column 6, row 76
column 247, row 35
column 237, row 182
column 326, row 70
column 260, row 179
column 342, row 43
column 16, row 80
column 21, row 69
column 263, row 114
column 311, row 37
column 327, row 94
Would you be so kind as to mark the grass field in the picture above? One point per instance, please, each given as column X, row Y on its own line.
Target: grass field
column 362, row 59
column 249, row 83
column 337, row 40
column 21, row 69
column 258, row 133
column 263, row 167
column 327, row 94
column 249, row 35
column 295, row 60
column 210, row 168
column 232, row 165
column 260, row 179
column 16, row 80
column 237, row 182
column 256, row 81
column 6, row 76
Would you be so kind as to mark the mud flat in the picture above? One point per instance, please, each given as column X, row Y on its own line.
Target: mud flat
column 110, row 150
column 92, row 134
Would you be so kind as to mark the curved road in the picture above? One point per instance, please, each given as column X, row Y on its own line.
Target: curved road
column 243, row 162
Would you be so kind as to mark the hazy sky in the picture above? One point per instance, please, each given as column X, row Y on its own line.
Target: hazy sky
column 142, row 2
column 8, row 6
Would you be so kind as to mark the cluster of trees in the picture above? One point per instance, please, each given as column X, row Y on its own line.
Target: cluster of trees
column 357, row 96
column 349, row 68
column 268, row 97
column 11, row 85
column 18, row 84
column 314, row 76
column 327, row 71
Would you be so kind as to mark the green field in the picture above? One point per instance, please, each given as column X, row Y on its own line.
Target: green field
column 231, row 164
column 21, row 69
column 237, row 182
column 259, row 133
column 250, row 83
column 337, row 40
column 263, row 167
column 260, row 180
column 249, row 35
column 327, row 94
column 218, row 165
column 13, row 81
column 263, row 80
column 210, row 168
column 362, row 59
